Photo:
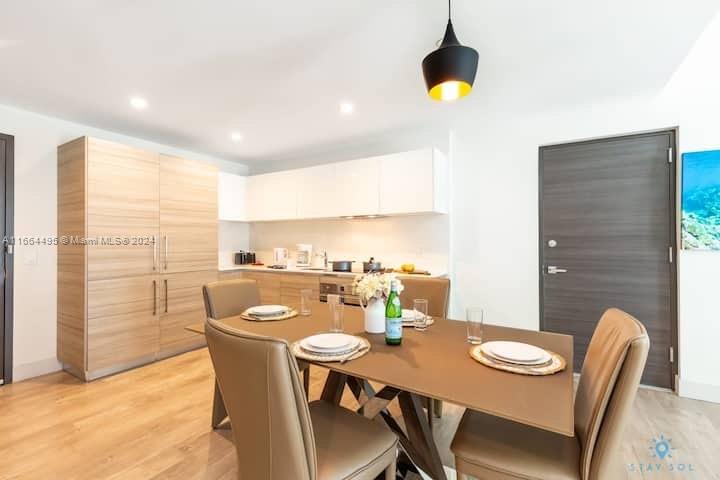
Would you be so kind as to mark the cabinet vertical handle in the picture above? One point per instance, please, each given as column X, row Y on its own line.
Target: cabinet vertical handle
column 155, row 252
column 154, row 297
column 166, row 296
column 166, row 252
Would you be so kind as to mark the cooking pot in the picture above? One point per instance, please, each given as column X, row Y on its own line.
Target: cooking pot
column 342, row 265
column 372, row 266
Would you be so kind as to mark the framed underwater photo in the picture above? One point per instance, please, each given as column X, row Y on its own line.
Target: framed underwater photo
column 701, row 200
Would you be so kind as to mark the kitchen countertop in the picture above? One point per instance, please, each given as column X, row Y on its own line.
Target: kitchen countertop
column 301, row 271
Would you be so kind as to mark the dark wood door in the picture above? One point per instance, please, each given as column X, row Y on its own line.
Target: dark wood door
column 3, row 335
column 607, row 239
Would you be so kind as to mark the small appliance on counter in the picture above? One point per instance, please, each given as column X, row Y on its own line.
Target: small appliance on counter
column 319, row 261
column 303, row 254
column 244, row 258
column 342, row 265
column 372, row 266
column 280, row 257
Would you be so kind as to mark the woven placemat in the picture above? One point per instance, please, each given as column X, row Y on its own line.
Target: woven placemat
column 299, row 352
column 557, row 363
column 289, row 314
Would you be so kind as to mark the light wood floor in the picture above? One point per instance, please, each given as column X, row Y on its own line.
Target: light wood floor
column 153, row 423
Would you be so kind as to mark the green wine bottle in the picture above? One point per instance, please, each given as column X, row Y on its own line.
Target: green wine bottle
column 393, row 317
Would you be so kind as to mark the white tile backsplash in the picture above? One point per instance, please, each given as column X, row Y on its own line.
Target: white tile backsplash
column 419, row 239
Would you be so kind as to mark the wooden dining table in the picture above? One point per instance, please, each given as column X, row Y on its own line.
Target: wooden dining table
column 434, row 364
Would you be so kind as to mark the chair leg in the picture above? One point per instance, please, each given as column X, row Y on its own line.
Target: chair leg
column 306, row 382
column 437, row 408
column 391, row 471
column 428, row 404
column 219, row 413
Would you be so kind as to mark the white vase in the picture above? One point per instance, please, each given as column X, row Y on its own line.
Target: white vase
column 374, row 316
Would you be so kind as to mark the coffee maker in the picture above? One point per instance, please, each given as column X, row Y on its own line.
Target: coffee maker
column 303, row 254
column 280, row 257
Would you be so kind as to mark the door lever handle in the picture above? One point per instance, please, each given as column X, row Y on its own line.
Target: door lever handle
column 553, row 270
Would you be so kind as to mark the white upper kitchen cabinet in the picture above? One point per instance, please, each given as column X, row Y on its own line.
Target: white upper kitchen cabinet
column 414, row 182
column 272, row 196
column 232, row 197
column 340, row 189
column 360, row 194
column 319, row 192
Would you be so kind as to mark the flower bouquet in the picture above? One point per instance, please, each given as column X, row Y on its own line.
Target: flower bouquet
column 373, row 289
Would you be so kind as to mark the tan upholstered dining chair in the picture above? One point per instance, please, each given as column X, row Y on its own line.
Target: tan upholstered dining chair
column 488, row 447
column 228, row 298
column 437, row 292
column 277, row 435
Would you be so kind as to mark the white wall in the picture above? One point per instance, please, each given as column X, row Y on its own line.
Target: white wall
column 494, row 222
column 232, row 237
column 419, row 239
column 35, row 294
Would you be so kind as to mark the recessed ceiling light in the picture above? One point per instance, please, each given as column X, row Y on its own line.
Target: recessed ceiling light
column 138, row 103
column 236, row 137
column 347, row 108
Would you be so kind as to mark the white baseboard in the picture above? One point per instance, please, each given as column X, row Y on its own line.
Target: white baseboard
column 699, row 391
column 35, row 369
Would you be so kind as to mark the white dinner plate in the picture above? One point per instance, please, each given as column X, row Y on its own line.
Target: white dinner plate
column 267, row 310
column 329, row 342
column 329, row 353
column 516, row 352
column 408, row 315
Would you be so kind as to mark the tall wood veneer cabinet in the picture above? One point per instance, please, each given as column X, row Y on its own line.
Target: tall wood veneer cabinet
column 137, row 240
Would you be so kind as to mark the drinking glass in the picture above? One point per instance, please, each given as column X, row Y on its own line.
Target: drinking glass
column 336, row 312
column 420, row 309
column 475, row 317
column 305, row 296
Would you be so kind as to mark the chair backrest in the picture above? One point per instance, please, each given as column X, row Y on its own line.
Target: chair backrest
column 435, row 290
column 260, row 386
column 609, row 380
column 227, row 298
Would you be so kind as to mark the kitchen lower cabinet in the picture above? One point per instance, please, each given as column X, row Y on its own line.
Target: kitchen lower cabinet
column 280, row 288
column 268, row 284
column 123, row 316
column 182, row 304
column 230, row 274
column 291, row 285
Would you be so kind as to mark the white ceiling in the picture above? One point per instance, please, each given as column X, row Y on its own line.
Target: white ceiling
column 277, row 70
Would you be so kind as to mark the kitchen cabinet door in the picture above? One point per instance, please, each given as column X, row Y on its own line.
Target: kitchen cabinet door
column 122, row 210
column 122, row 322
column 181, row 304
column 320, row 192
column 232, row 192
column 188, row 215
column 360, row 192
column 273, row 196
column 291, row 285
column 413, row 182
column 268, row 284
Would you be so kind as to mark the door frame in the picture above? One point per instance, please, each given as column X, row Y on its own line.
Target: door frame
column 674, row 232
column 7, row 247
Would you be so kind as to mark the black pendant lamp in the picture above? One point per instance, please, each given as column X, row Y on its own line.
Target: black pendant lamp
column 450, row 70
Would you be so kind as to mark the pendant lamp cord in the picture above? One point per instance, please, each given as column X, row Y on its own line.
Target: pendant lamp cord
column 449, row 11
